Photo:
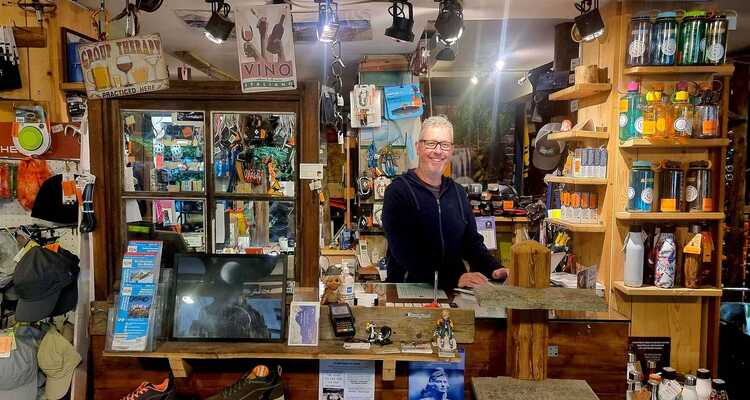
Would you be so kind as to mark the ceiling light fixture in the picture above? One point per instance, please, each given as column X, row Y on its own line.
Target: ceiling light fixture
column 446, row 54
column 589, row 25
column 474, row 80
column 328, row 21
column 219, row 26
column 401, row 29
column 500, row 64
column 450, row 22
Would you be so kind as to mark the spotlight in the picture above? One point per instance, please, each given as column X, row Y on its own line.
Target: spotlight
column 450, row 22
column 499, row 65
column 219, row 27
column 401, row 29
column 446, row 54
column 589, row 25
column 328, row 22
column 474, row 80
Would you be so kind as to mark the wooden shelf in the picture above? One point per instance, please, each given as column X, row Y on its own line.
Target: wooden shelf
column 673, row 143
column 655, row 291
column 725, row 69
column 73, row 87
column 337, row 252
column 580, row 90
column 575, row 180
column 576, row 227
column 512, row 219
column 669, row 216
column 578, row 135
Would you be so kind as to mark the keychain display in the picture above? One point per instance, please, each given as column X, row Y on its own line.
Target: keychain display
column 364, row 187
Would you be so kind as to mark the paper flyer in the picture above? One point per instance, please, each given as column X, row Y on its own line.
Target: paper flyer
column 346, row 380
column 486, row 228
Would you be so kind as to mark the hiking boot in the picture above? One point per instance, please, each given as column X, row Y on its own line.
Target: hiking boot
column 259, row 384
column 150, row 391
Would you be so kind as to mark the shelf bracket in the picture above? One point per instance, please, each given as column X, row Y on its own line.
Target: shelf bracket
column 180, row 367
column 389, row 370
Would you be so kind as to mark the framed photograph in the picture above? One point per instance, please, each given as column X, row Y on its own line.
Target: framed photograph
column 71, row 63
column 238, row 297
column 304, row 322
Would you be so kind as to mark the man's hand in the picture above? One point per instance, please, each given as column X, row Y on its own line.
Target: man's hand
column 472, row 280
column 500, row 274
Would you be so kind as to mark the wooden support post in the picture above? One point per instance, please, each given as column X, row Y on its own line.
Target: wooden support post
column 180, row 367
column 389, row 370
column 527, row 329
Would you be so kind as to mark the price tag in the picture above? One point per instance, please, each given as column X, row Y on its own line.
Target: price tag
column 339, row 100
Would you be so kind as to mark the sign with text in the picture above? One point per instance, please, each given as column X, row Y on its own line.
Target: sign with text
column 266, row 48
column 65, row 145
column 124, row 66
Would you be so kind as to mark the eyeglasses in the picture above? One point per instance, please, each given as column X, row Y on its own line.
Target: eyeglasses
column 433, row 144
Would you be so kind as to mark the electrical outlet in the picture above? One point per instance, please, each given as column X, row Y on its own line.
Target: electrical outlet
column 553, row 351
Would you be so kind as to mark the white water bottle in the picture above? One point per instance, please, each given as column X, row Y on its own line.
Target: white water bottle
column 634, row 252
column 347, row 292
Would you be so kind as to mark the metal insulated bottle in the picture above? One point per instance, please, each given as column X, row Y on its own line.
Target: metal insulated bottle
column 634, row 253
column 716, row 40
column 692, row 38
column 664, row 39
column 639, row 41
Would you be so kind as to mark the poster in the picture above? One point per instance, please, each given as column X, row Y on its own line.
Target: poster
column 346, row 380
column 124, row 66
column 265, row 48
column 486, row 228
column 437, row 380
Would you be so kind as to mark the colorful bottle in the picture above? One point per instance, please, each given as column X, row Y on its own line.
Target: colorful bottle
column 631, row 119
column 664, row 124
column 682, row 111
column 649, row 115
column 666, row 256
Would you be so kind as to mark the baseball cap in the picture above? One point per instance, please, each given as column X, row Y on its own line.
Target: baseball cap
column 18, row 373
column 57, row 359
column 547, row 153
column 48, row 204
column 46, row 284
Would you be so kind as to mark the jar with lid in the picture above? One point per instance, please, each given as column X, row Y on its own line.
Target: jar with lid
column 664, row 39
column 670, row 188
column 703, row 384
column 641, row 187
column 639, row 41
column 698, row 193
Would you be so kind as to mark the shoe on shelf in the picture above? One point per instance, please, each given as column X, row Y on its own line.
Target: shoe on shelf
column 261, row 383
column 150, row 391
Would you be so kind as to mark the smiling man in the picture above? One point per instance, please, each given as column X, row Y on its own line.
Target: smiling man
column 428, row 221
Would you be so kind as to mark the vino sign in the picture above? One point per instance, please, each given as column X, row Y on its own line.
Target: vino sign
column 124, row 66
column 266, row 48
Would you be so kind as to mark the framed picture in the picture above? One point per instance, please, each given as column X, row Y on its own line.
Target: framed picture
column 304, row 322
column 238, row 297
column 71, row 63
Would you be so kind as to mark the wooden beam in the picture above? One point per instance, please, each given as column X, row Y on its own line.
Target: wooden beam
column 204, row 66
column 180, row 367
column 33, row 36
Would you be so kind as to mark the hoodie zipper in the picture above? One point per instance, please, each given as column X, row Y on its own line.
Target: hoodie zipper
column 440, row 225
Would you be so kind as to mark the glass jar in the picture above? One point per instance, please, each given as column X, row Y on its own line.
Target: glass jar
column 641, row 187
column 670, row 188
column 699, row 194
column 639, row 41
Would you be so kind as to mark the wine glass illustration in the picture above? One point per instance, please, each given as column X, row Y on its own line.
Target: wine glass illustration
column 152, row 60
column 124, row 64
column 248, row 47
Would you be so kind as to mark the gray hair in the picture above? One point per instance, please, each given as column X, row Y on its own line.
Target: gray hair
column 436, row 121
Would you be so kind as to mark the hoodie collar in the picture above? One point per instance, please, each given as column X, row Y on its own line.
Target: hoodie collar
column 445, row 182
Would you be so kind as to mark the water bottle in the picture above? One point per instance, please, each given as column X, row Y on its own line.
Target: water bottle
column 634, row 253
column 666, row 256
column 631, row 118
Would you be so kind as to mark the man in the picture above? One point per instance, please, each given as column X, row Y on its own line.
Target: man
column 428, row 221
column 437, row 386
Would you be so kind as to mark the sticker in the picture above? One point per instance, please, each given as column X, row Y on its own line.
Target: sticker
column 669, row 47
column 631, row 193
column 649, row 127
column 715, row 52
column 681, row 124
column 708, row 204
column 639, row 125
column 623, row 105
column 668, row 205
column 647, row 195
column 636, row 48
column 623, row 121
column 692, row 193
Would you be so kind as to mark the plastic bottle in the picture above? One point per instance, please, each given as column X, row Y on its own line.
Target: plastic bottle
column 634, row 252
column 663, row 110
column 688, row 391
column 649, row 115
column 631, row 119
column 347, row 287
column 703, row 384
column 682, row 111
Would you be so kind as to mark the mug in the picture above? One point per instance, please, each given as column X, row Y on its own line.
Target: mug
column 99, row 77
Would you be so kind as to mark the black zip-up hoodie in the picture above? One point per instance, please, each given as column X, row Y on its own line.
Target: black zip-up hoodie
column 426, row 233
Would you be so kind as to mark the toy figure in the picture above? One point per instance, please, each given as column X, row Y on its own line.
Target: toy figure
column 331, row 293
column 380, row 336
column 443, row 334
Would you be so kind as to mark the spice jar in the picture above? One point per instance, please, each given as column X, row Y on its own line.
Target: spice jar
column 670, row 189
column 641, row 188
column 699, row 194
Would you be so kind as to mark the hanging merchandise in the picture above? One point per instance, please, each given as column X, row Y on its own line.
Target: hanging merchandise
column 403, row 101
column 10, row 73
column 670, row 189
column 682, row 112
column 641, row 188
column 31, row 175
column 706, row 114
column 365, row 106
column 692, row 36
column 631, row 118
column 31, row 133
column 664, row 39
column 639, row 42
column 698, row 193
column 666, row 257
column 716, row 40
column 634, row 253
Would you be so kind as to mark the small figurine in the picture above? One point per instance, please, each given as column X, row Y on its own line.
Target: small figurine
column 380, row 336
column 331, row 293
column 443, row 334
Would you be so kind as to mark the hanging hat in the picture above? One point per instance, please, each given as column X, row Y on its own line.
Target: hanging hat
column 18, row 373
column 547, row 153
column 58, row 360
column 46, row 284
column 49, row 206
